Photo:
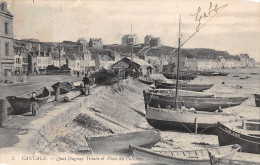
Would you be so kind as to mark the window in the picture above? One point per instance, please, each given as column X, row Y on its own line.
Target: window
column 7, row 49
column 18, row 61
column 6, row 28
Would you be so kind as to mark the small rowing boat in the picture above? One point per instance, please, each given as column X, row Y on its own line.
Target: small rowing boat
column 119, row 143
column 245, row 133
column 21, row 104
column 188, row 87
column 185, row 157
column 65, row 87
column 146, row 80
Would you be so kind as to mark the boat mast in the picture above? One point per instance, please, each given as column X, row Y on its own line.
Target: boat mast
column 131, row 46
column 178, row 65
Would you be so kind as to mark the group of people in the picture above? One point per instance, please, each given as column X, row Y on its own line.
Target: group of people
column 85, row 89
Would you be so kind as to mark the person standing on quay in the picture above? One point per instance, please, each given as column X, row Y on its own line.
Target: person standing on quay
column 33, row 103
column 87, row 82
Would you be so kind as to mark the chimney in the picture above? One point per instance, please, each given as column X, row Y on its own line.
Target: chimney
column 4, row 6
column 38, row 47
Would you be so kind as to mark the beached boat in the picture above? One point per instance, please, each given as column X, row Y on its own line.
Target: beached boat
column 254, row 73
column 245, row 133
column 65, row 87
column 257, row 100
column 185, row 157
column 206, row 73
column 236, row 76
column 21, row 104
column 171, row 119
column 119, row 143
column 165, row 97
column 211, row 104
column 182, row 76
column 188, row 87
column 146, row 80
column 227, row 161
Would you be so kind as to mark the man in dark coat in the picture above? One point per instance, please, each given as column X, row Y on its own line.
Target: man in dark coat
column 87, row 82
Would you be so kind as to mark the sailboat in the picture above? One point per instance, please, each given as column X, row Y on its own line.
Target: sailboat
column 172, row 119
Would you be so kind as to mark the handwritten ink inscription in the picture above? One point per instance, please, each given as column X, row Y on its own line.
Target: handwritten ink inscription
column 199, row 15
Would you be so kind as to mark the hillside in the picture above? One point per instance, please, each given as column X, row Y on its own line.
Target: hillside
column 197, row 53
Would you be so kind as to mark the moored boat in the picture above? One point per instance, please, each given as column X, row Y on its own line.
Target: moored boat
column 119, row 143
column 211, row 104
column 146, row 80
column 189, row 157
column 65, row 87
column 165, row 97
column 188, row 87
column 171, row 119
column 182, row 76
column 21, row 104
column 245, row 133
column 257, row 100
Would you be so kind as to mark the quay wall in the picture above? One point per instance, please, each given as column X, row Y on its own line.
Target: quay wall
column 41, row 130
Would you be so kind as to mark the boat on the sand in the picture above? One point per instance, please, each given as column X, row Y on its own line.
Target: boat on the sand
column 211, row 104
column 189, row 120
column 146, row 80
column 227, row 161
column 257, row 100
column 165, row 97
column 119, row 143
column 21, row 103
column 188, row 87
column 182, row 76
column 65, row 87
column 185, row 157
column 246, row 133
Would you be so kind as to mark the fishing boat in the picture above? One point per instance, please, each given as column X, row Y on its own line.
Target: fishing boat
column 188, row 87
column 185, row 157
column 165, row 97
column 211, row 104
column 254, row 73
column 119, row 143
column 222, row 74
column 206, row 73
column 183, row 76
column 257, row 100
column 236, row 76
column 146, row 80
column 227, row 161
column 172, row 119
column 65, row 87
column 21, row 103
column 246, row 133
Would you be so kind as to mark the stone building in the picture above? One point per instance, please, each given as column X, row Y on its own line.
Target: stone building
column 96, row 43
column 155, row 42
column 147, row 39
column 129, row 39
column 6, row 44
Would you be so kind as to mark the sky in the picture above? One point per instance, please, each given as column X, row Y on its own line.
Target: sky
column 234, row 28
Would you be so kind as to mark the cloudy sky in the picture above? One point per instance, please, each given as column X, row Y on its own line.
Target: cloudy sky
column 235, row 28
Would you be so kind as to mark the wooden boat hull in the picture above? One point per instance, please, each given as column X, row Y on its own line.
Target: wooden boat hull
column 169, row 119
column 65, row 87
column 188, row 87
column 21, row 105
column 227, row 136
column 182, row 76
column 156, row 98
column 146, row 82
column 192, row 157
column 211, row 104
column 257, row 100
column 119, row 143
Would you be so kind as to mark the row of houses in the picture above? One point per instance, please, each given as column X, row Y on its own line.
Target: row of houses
column 207, row 64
